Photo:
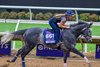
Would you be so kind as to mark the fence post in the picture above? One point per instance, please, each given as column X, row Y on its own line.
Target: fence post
column 15, row 30
column 85, row 48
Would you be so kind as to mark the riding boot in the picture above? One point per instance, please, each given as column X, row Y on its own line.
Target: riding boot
column 59, row 45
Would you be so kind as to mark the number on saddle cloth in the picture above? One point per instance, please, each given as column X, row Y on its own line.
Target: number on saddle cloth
column 49, row 37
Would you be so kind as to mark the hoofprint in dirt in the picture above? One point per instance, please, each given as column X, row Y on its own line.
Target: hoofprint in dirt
column 45, row 62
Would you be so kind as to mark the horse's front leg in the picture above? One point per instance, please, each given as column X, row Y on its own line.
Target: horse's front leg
column 74, row 50
column 65, row 58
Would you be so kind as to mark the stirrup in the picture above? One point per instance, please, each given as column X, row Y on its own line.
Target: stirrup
column 59, row 45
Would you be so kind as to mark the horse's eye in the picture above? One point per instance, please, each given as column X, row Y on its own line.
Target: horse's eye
column 89, row 33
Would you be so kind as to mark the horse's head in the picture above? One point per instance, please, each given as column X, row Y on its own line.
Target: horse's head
column 87, row 32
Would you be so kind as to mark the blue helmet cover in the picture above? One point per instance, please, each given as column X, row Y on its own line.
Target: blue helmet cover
column 69, row 13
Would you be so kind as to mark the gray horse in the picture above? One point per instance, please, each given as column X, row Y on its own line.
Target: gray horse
column 32, row 37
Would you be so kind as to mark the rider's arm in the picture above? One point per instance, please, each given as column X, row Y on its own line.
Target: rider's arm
column 62, row 23
column 59, row 15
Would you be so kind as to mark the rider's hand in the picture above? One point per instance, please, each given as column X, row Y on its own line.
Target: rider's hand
column 67, row 26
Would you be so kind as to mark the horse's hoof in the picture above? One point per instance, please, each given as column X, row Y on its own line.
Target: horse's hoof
column 9, row 61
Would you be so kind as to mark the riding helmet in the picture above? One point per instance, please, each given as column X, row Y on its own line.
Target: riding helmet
column 69, row 13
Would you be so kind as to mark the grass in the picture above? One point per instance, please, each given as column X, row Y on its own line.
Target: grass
column 91, row 47
column 11, row 27
column 96, row 30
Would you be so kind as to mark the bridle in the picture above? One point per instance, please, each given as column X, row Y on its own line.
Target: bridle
column 86, row 33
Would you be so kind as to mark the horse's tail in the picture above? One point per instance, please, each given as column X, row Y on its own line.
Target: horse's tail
column 8, row 37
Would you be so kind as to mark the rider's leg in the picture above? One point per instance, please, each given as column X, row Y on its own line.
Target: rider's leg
column 56, row 31
column 57, row 35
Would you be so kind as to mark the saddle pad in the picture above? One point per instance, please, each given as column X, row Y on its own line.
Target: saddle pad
column 49, row 36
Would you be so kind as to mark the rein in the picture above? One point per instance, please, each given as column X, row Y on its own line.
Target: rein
column 81, row 43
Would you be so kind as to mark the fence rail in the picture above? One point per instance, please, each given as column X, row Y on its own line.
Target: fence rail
column 49, row 8
column 38, row 21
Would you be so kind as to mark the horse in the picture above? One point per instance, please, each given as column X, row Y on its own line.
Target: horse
column 33, row 36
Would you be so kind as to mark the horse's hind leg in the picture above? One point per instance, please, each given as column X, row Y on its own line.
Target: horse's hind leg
column 18, row 53
column 25, row 52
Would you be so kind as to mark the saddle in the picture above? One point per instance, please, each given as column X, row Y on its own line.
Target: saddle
column 48, row 36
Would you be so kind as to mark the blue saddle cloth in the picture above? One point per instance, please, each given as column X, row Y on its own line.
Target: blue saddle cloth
column 49, row 37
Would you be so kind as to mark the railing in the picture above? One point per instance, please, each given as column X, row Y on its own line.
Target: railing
column 49, row 8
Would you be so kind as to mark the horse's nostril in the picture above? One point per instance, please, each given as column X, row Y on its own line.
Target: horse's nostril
column 89, row 40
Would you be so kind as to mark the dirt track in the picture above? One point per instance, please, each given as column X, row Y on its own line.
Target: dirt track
column 44, row 62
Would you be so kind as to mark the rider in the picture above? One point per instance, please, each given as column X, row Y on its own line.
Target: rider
column 58, row 21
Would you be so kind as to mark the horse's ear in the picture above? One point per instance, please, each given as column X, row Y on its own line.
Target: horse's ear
column 90, row 24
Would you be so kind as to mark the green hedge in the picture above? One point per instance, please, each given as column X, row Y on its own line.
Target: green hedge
column 44, row 16
column 89, row 17
column 25, row 15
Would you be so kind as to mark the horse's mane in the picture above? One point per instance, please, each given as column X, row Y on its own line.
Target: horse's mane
column 80, row 25
column 80, row 22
